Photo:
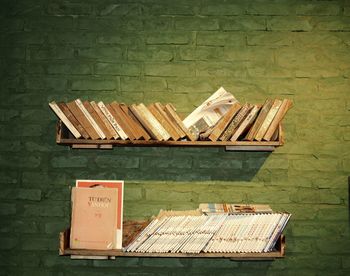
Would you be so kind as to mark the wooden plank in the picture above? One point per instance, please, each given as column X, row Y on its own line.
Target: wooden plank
column 250, row 148
column 63, row 139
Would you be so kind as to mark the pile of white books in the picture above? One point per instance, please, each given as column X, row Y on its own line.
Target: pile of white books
column 225, row 233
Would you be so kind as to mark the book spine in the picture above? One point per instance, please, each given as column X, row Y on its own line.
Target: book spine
column 285, row 106
column 141, row 117
column 153, row 121
column 90, row 119
column 112, row 120
column 104, row 120
column 64, row 119
column 269, row 117
column 223, row 123
column 245, row 124
column 235, row 122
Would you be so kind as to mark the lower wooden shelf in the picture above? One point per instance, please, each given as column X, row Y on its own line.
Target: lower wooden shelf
column 131, row 230
column 64, row 137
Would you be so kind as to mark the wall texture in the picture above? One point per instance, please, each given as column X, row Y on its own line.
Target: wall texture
column 180, row 52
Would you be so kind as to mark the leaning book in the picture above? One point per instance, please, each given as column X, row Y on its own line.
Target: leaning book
column 94, row 215
column 116, row 184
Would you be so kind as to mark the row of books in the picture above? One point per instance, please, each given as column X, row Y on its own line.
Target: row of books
column 91, row 120
column 224, row 233
column 220, row 118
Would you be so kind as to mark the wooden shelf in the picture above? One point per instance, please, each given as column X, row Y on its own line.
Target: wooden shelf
column 63, row 137
column 131, row 230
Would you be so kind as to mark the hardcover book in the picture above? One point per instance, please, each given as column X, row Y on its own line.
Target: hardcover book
column 94, row 215
column 117, row 184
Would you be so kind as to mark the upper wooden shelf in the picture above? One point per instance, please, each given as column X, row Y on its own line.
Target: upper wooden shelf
column 64, row 137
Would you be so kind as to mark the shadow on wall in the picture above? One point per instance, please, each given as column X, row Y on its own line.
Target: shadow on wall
column 175, row 164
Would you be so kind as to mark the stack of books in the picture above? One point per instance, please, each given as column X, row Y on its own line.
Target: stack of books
column 235, row 233
column 220, row 118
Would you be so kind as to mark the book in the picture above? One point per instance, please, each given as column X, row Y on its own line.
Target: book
column 168, row 127
column 145, row 123
column 235, row 122
column 73, row 120
column 94, row 218
column 79, row 115
column 117, row 120
column 64, row 119
column 135, row 122
column 105, row 121
column 246, row 123
column 268, row 119
column 259, row 120
column 211, row 110
column 170, row 120
column 154, row 122
column 122, row 121
column 273, row 127
column 234, row 208
column 220, row 127
column 90, row 119
column 119, row 185
column 112, row 120
column 171, row 112
column 97, row 119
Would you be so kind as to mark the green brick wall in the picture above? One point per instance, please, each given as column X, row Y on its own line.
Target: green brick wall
column 180, row 52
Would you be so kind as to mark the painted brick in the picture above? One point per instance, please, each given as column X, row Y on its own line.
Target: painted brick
column 169, row 69
column 221, row 69
column 174, row 9
column 220, row 38
column 133, row 193
column 196, row 24
column 148, row 83
column 332, row 24
column 200, row 53
column 222, row 9
column 239, row 23
column 7, row 209
column 153, row 53
column 169, row 38
column 166, row 163
column 69, row 69
column 26, row 194
column 8, row 114
column 43, row 211
column 166, row 195
column 110, row 161
column 120, row 9
column 95, row 84
column 124, row 69
column 270, row 8
column 320, row 8
column 59, row 8
column 269, row 38
column 69, row 162
column 289, row 24
column 8, row 243
column 120, row 38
